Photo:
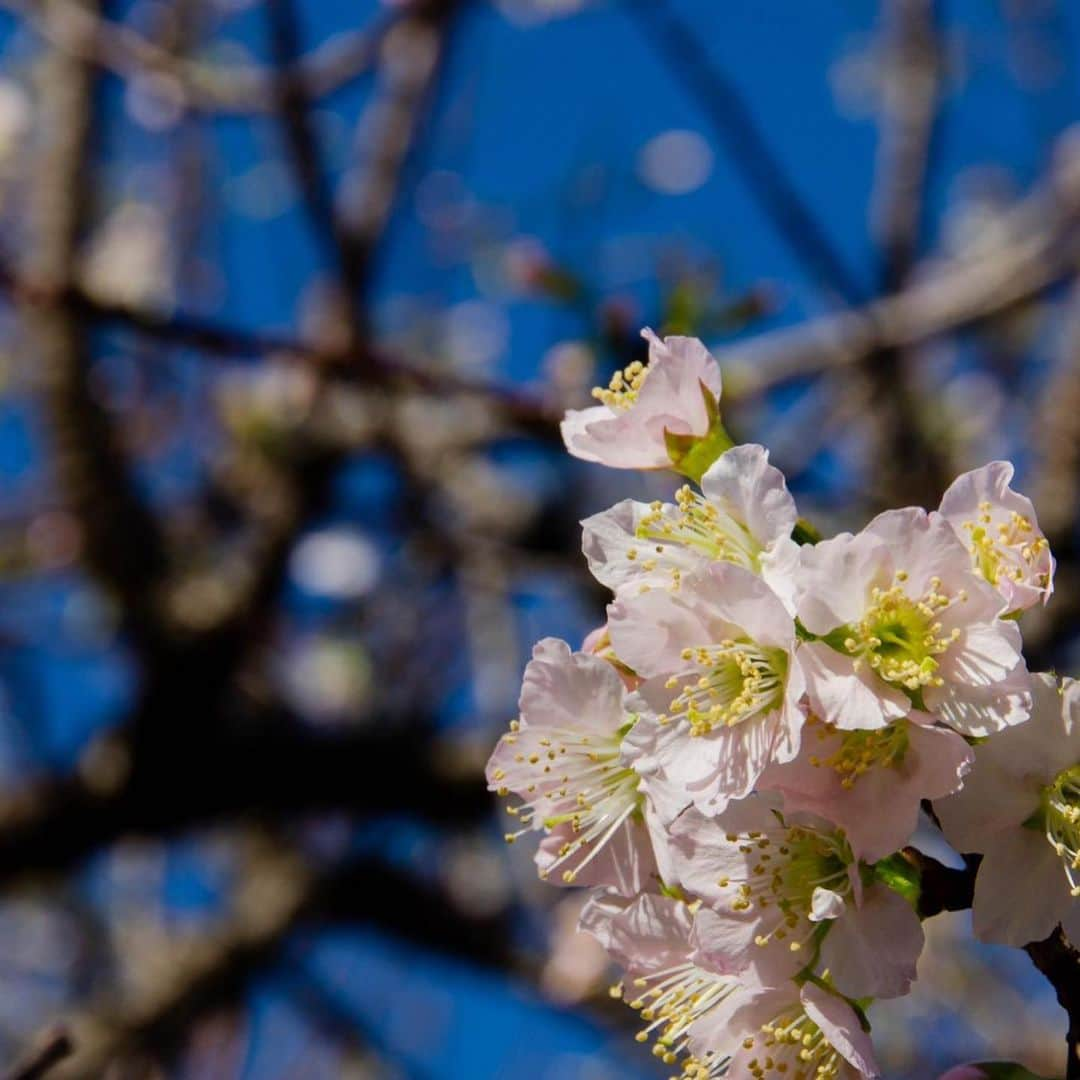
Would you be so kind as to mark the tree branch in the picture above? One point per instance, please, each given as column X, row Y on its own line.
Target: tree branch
column 200, row 86
column 281, row 896
column 123, row 544
column 54, row 1046
column 1059, row 961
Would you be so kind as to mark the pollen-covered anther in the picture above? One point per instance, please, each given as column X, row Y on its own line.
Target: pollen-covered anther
column 700, row 525
column 900, row 636
column 801, row 860
column 672, row 1001
column 791, row 1042
column 729, row 683
column 623, row 388
column 862, row 751
column 590, row 793
column 1061, row 814
column 1012, row 550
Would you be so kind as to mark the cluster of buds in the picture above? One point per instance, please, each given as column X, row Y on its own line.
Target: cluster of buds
column 735, row 762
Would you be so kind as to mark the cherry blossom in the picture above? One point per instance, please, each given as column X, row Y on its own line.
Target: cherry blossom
column 871, row 783
column 676, row 392
column 795, row 1033
column 791, row 885
column 743, row 515
column 999, row 528
column 1020, row 808
column 901, row 620
column 681, row 985
column 563, row 758
column 723, row 690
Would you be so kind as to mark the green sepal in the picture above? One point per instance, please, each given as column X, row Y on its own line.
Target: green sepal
column 692, row 455
column 900, row 875
column 802, row 633
column 805, row 533
column 835, row 638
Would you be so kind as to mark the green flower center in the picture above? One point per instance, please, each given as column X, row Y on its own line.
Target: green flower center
column 901, row 636
column 1011, row 550
column 730, row 683
column 861, row 751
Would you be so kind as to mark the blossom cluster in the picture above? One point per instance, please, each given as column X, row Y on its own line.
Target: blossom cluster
column 735, row 762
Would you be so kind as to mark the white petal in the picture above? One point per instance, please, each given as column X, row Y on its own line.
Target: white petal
column 841, row 1027
column 1021, row 891
column 872, row 950
column 842, row 696
column 743, row 483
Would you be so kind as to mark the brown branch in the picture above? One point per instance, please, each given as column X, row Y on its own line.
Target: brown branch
column 200, row 86
column 1039, row 248
column 54, row 1046
column 123, row 544
column 1059, row 961
column 911, row 466
column 281, row 895
column 264, row 775
column 942, row 887
column 945, row 889
column 294, row 118
column 366, row 365
column 912, row 64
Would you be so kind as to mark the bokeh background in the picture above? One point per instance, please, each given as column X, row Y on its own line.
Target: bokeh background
column 291, row 295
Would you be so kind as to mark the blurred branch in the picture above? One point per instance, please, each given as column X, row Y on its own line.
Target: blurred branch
column 124, row 546
column 1039, row 248
column 912, row 80
column 279, row 897
column 767, row 179
column 265, row 774
column 306, row 482
column 196, row 85
column 1055, row 431
column 294, row 116
column 54, row 1047
column 911, row 467
column 366, row 365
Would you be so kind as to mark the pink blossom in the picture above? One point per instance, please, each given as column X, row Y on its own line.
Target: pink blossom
column 723, row 689
column 870, row 783
column 565, row 761
column 1000, row 529
column 598, row 643
column 902, row 619
column 627, row 431
column 1020, row 807
column 683, row 987
column 790, row 886
column 810, row 1031
column 744, row 516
